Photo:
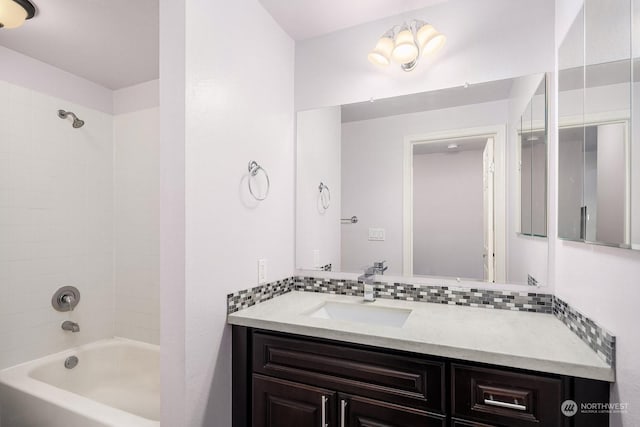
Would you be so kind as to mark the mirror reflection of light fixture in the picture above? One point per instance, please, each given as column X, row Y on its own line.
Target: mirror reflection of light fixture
column 13, row 13
column 404, row 44
column 382, row 53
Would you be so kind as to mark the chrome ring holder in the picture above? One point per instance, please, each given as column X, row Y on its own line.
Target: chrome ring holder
column 325, row 196
column 254, row 168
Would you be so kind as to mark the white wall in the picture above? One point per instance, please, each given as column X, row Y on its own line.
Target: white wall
column 138, row 97
column 372, row 174
column 500, row 38
column 318, row 160
column 25, row 71
column 602, row 283
column 56, row 222
column 172, row 212
column 448, row 238
column 238, row 108
column 137, row 216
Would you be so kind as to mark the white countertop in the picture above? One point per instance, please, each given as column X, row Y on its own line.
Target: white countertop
column 524, row 340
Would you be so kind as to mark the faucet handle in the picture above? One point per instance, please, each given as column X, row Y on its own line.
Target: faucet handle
column 379, row 264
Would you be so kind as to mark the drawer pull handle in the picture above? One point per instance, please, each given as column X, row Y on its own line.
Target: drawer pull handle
column 343, row 415
column 507, row 405
column 324, row 412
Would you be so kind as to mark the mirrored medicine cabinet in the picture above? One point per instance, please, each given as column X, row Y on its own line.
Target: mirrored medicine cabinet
column 598, row 152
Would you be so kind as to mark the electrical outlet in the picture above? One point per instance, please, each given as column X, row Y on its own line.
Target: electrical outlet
column 262, row 271
column 376, row 234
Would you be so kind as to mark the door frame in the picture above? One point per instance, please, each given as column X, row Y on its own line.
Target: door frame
column 498, row 133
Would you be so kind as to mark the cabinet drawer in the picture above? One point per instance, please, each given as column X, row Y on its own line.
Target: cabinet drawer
column 505, row 398
column 361, row 412
column 396, row 379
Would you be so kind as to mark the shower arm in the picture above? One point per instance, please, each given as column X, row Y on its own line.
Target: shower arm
column 63, row 114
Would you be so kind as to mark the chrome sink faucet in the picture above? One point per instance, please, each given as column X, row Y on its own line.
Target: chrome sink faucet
column 367, row 279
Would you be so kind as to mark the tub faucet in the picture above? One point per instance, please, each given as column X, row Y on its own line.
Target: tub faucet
column 68, row 325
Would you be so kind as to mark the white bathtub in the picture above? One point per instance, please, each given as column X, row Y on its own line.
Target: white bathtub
column 116, row 383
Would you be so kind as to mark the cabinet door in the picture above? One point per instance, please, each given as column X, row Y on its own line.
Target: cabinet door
column 280, row 403
column 461, row 423
column 363, row 412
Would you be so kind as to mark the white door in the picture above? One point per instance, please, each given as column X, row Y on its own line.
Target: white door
column 487, row 190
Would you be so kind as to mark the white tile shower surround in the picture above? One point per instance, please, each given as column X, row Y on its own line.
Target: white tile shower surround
column 56, row 222
column 137, row 228
column 57, row 225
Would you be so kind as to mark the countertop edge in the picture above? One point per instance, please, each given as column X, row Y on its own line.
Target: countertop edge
column 519, row 362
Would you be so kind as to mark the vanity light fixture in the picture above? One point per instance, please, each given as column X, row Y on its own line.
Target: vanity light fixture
column 13, row 13
column 404, row 44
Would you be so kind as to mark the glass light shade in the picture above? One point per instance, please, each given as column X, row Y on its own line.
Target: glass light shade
column 434, row 44
column 406, row 49
column 12, row 15
column 425, row 33
column 382, row 53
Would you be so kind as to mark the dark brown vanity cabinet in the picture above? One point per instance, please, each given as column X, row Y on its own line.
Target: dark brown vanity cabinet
column 282, row 380
column 278, row 402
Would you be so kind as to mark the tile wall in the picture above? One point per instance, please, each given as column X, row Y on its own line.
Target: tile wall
column 137, row 227
column 56, row 223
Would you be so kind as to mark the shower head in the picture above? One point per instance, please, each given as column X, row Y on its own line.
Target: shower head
column 77, row 123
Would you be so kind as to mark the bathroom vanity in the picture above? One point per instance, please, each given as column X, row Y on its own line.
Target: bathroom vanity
column 295, row 367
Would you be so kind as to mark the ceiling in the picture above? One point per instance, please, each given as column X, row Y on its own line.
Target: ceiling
column 111, row 42
column 303, row 19
column 439, row 147
column 425, row 101
column 115, row 43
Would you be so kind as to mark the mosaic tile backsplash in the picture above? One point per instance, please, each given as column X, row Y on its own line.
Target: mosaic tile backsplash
column 602, row 342
column 599, row 339
column 248, row 297
column 472, row 297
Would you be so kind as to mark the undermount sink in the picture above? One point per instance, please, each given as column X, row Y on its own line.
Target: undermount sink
column 362, row 313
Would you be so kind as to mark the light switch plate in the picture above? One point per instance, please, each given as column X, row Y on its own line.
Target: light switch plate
column 262, row 271
column 376, row 234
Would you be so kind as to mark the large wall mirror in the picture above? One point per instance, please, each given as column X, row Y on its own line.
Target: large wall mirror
column 597, row 165
column 449, row 183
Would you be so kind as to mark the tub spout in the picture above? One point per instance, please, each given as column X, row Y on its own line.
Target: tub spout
column 68, row 325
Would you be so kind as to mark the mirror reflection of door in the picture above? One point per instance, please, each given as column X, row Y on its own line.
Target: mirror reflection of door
column 487, row 211
column 453, row 208
column 593, row 182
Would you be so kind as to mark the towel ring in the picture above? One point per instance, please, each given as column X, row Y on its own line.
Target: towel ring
column 254, row 168
column 325, row 196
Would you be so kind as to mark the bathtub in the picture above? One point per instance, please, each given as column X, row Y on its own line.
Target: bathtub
column 116, row 383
